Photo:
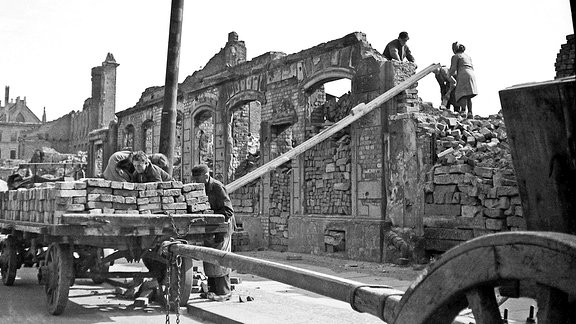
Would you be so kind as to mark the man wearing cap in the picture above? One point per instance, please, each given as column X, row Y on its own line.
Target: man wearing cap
column 145, row 171
column 220, row 203
column 397, row 50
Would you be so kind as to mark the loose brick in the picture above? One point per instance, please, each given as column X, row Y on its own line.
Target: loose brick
column 444, row 209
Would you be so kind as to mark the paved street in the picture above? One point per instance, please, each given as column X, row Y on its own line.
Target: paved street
column 25, row 302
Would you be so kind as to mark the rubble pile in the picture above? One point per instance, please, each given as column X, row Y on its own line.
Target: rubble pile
column 46, row 203
column 471, row 190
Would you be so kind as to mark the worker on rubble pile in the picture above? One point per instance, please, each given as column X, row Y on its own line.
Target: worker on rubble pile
column 218, row 277
column 397, row 50
column 119, row 166
column 462, row 70
column 145, row 171
column 447, row 85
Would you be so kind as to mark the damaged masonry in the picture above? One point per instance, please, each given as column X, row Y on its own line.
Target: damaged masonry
column 404, row 180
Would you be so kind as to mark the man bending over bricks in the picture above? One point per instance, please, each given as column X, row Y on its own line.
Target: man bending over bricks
column 220, row 203
column 144, row 171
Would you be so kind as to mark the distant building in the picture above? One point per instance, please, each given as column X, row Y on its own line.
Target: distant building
column 15, row 119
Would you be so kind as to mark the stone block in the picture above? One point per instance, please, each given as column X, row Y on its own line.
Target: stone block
column 448, row 233
column 483, row 172
column 494, row 224
column 442, row 169
column 460, row 168
column 493, row 213
column 491, row 203
column 441, row 210
column 515, row 221
column 504, row 202
column 448, row 179
column 471, row 211
column 443, row 193
column 507, row 191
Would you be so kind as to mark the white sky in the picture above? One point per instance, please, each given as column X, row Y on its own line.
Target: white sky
column 47, row 48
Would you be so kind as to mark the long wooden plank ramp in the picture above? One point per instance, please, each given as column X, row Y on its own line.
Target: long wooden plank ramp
column 357, row 112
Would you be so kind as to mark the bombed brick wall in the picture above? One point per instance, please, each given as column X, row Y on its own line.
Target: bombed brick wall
column 279, row 209
column 327, row 166
column 565, row 59
column 327, row 177
column 472, row 189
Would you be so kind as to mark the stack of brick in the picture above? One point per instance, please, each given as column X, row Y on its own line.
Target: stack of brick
column 472, row 190
column 195, row 197
column 565, row 58
column 327, row 174
column 240, row 241
column 46, row 204
column 245, row 199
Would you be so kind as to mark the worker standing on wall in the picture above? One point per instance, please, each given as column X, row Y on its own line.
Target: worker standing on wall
column 220, row 203
column 397, row 50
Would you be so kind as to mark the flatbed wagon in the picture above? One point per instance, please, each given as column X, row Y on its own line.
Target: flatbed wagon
column 66, row 245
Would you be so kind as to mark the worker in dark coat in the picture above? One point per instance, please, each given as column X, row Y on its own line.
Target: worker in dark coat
column 145, row 171
column 220, row 203
column 397, row 50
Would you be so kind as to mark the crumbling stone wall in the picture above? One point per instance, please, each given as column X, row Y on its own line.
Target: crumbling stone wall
column 565, row 58
column 471, row 190
column 327, row 175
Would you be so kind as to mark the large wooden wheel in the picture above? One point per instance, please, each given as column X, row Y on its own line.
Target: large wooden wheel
column 540, row 265
column 59, row 274
column 9, row 261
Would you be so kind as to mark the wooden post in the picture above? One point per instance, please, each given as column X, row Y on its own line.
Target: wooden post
column 357, row 112
column 168, row 121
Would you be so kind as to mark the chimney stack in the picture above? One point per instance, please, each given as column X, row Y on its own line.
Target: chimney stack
column 6, row 98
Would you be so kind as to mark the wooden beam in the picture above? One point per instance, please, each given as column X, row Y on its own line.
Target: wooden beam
column 357, row 112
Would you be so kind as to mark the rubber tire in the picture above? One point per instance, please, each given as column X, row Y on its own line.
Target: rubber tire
column 60, row 262
column 10, row 254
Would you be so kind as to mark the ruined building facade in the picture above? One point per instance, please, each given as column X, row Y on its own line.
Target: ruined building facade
column 70, row 133
column 363, row 194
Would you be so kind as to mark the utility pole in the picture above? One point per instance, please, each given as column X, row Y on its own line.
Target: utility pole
column 169, row 114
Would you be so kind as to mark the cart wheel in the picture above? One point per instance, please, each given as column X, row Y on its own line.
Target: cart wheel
column 59, row 266
column 9, row 261
column 102, row 269
column 186, row 277
column 537, row 265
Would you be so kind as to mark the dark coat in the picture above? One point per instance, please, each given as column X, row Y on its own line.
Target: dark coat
column 218, row 197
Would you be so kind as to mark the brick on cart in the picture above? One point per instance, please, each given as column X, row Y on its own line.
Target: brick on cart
column 97, row 182
column 98, row 205
column 116, row 185
column 155, row 199
column 70, row 193
column 150, row 207
column 108, row 210
column 129, row 211
column 98, row 190
column 95, row 211
column 148, row 193
column 128, row 185
column 130, row 200
column 142, row 201
column 106, row 198
column 122, row 206
column 167, row 200
column 165, row 185
column 79, row 200
column 118, row 199
column 151, row 185
column 125, row 193
column 182, row 206
column 139, row 186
